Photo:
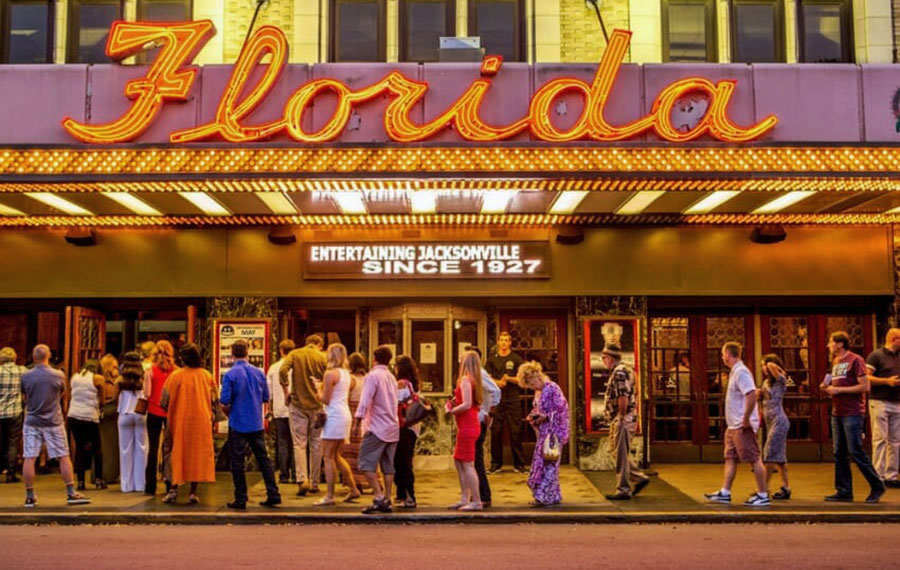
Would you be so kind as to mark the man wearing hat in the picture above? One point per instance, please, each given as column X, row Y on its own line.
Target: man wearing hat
column 621, row 413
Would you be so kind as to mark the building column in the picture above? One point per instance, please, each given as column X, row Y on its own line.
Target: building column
column 723, row 30
column 791, row 39
column 393, row 30
column 213, row 51
column 309, row 41
column 546, row 31
column 873, row 32
column 645, row 17
column 60, row 35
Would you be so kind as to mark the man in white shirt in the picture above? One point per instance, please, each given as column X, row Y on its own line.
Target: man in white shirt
column 742, row 419
column 279, row 414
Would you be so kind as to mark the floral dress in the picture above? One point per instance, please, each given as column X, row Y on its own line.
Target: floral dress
column 544, row 477
column 777, row 423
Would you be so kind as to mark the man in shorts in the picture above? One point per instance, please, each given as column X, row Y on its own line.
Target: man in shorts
column 742, row 419
column 44, row 388
column 378, row 412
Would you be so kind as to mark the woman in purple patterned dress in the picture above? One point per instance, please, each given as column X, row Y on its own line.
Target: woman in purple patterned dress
column 549, row 417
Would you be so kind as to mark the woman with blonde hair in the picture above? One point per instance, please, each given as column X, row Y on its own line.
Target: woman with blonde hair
column 109, row 417
column 464, row 407
column 335, row 391
column 154, row 380
column 550, row 419
column 188, row 397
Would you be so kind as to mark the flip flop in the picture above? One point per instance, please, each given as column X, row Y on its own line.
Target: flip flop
column 324, row 502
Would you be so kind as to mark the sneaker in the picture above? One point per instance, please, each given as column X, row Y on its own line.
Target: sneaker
column 237, row 505
column 839, row 498
column 30, row 502
column 892, row 483
column 409, row 504
column 782, row 495
column 756, row 500
column 718, row 497
column 619, row 496
column 519, row 469
column 876, row 495
column 77, row 499
column 496, row 469
column 11, row 478
column 639, row 486
column 382, row 506
column 302, row 490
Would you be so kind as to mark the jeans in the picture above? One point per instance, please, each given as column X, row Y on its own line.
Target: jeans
column 10, row 435
column 404, row 477
column 237, row 446
column 155, row 426
column 484, row 488
column 284, row 449
column 509, row 414
column 847, row 434
column 87, row 448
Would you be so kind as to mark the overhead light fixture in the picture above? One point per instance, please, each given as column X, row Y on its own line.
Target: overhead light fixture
column 60, row 203
column 7, row 211
column 567, row 201
column 423, row 201
column 350, row 202
column 768, row 234
column 81, row 236
column 894, row 210
column 496, row 201
column 133, row 203
column 278, row 203
column 639, row 202
column 207, row 204
column 282, row 235
column 783, row 202
column 711, row 201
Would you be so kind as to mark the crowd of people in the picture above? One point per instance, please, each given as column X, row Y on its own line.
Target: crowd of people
column 329, row 409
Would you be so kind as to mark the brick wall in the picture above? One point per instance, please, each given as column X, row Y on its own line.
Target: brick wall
column 580, row 34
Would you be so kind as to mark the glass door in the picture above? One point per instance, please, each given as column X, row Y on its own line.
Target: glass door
column 428, row 341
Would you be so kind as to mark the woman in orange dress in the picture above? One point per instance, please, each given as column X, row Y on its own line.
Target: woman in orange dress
column 188, row 397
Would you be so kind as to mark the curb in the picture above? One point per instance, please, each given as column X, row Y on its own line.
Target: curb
column 108, row 518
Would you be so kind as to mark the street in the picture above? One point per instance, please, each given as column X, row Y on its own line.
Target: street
column 435, row 547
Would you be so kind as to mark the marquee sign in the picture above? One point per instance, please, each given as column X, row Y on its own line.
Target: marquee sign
column 427, row 260
column 170, row 78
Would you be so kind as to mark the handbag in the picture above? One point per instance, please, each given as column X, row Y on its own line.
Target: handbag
column 140, row 407
column 320, row 420
column 550, row 450
column 416, row 411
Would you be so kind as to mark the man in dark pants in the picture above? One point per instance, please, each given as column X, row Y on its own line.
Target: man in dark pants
column 490, row 400
column 280, row 416
column 11, row 414
column 503, row 365
column 244, row 391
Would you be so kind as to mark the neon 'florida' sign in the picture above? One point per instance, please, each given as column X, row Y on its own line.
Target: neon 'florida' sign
column 170, row 78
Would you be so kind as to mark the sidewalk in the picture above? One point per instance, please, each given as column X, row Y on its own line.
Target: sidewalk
column 675, row 495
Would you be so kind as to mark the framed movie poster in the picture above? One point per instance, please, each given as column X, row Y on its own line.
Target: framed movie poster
column 598, row 333
column 225, row 332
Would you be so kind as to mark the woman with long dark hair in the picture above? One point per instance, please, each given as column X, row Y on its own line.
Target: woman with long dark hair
column 358, row 370
column 771, row 393
column 132, row 425
column 407, row 374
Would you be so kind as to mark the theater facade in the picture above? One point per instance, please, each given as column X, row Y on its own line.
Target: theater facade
column 666, row 207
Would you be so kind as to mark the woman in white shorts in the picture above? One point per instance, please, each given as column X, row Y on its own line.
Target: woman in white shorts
column 335, row 389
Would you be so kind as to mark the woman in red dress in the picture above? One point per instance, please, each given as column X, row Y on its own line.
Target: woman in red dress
column 464, row 406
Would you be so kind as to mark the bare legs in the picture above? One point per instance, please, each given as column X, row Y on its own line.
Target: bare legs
column 381, row 494
column 759, row 473
column 334, row 462
column 772, row 468
column 65, row 470
column 468, row 485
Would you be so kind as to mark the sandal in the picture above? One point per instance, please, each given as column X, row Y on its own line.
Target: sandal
column 472, row 507
column 324, row 502
column 194, row 499
column 456, row 506
column 351, row 497
column 170, row 497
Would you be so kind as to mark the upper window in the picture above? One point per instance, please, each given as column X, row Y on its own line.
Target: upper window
column 422, row 23
column 89, row 23
column 825, row 31
column 757, row 31
column 27, row 31
column 358, row 30
column 161, row 11
column 689, row 30
column 501, row 26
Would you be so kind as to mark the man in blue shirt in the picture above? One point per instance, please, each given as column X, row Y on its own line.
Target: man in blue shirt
column 244, row 391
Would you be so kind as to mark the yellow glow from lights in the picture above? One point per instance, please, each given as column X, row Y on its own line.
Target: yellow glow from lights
column 567, row 201
column 207, row 204
column 7, row 211
column 639, row 202
column 277, row 202
column 783, row 202
column 60, row 203
column 423, row 201
column 351, row 203
column 711, row 201
column 496, row 201
column 133, row 203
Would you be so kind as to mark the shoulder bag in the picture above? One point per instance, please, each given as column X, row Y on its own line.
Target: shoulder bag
column 551, row 448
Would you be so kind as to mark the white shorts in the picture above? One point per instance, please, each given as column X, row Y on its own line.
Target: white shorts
column 54, row 437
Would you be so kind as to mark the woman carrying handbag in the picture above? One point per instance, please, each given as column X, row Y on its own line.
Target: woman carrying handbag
column 550, row 419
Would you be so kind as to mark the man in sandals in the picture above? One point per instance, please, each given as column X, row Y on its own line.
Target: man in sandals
column 43, row 389
column 742, row 417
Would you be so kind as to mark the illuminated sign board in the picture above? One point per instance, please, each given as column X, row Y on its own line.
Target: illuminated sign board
column 170, row 78
column 427, row 260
